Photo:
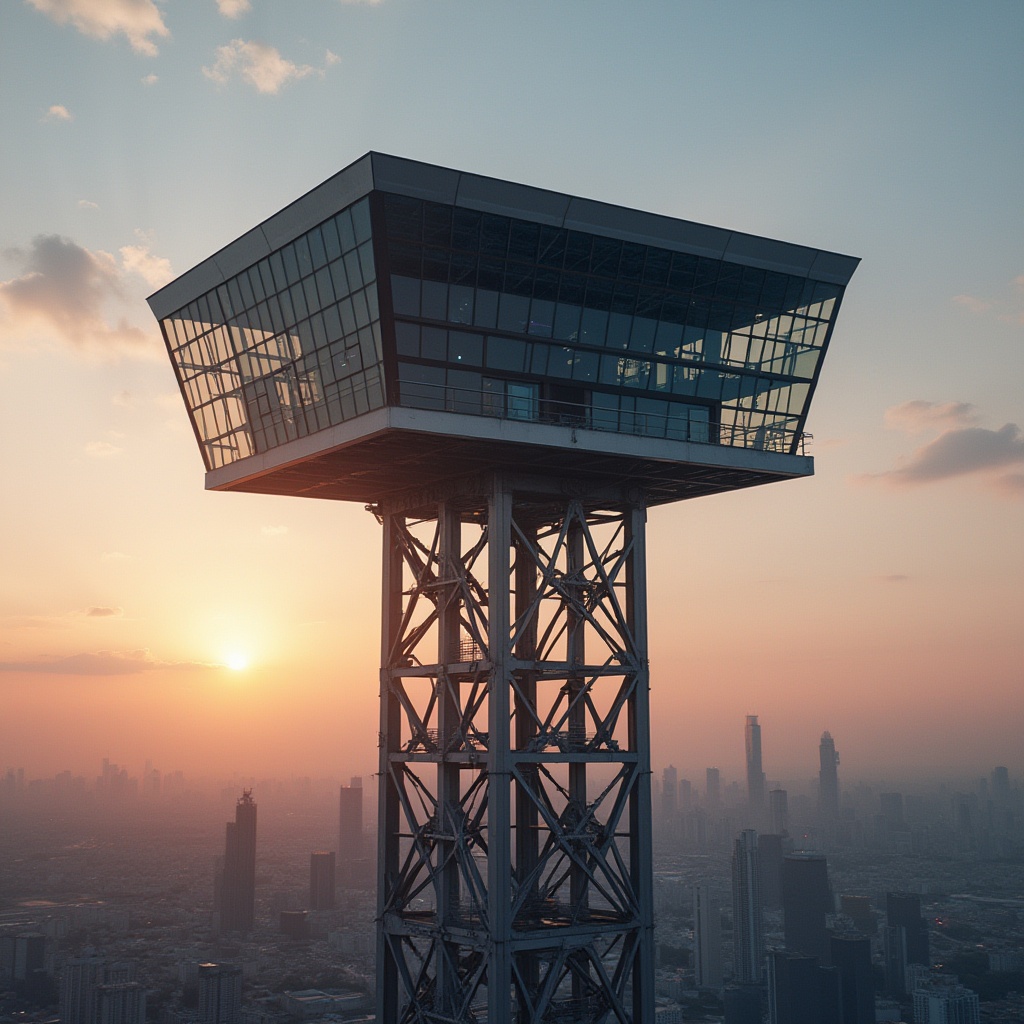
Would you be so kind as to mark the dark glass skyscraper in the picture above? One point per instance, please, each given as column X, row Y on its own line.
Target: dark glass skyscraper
column 828, row 777
column 238, row 887
column 906, row 938
column 851, row 956
column 755, row 772
column 747, row 927
column 321, row 880
column 806, row 901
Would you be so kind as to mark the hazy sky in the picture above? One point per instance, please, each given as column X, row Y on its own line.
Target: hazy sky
column 882, row 599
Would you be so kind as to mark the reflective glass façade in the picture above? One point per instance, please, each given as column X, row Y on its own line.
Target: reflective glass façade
column 505, row 317
column 287, row 347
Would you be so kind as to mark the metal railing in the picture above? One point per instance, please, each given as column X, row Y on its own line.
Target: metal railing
column 477, row 402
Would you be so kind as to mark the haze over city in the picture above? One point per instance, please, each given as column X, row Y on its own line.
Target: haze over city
column 227, row 634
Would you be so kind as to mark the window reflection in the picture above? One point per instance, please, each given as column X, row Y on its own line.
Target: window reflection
column 286, row 347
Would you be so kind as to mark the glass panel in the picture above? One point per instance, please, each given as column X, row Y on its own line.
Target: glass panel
column 405, row 296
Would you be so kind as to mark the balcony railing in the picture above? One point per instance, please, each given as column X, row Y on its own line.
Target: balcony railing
column 674, row 426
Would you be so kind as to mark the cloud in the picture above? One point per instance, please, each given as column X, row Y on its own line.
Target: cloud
column 137, row 20
column 62, row 294
column 973, row 303
column 260, row 65
column 104, row 613
column 101, row 449
column 330, row 57
column 88, row 204
column 149, row 79
column 274, row 531
column 917, row 415
column 233, row 8
column 1005, row 307
column 154, row 270
column 101, row 663
column 58, row 113
column 958, row 452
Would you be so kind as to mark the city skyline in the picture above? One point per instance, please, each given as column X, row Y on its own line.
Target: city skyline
column 876, row 600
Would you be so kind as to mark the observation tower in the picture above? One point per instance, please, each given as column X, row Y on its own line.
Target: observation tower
column 507, row 378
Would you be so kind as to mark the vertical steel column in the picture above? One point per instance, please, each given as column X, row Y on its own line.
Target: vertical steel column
column 499, row 839
column 641, row 853
column 388, row 742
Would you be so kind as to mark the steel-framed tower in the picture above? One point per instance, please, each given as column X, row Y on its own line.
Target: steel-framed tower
column 508, row 378
column 515, row 807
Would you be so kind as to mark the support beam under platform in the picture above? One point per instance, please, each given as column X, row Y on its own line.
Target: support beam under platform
column 515, row 861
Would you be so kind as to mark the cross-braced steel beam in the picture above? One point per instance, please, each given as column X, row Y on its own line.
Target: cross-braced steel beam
column 515, row 868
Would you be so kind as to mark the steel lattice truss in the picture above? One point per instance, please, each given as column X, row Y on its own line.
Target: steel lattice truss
column 514, row 878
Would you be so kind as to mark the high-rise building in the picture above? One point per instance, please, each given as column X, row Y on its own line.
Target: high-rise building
column 747, row 926
column 350, row 822
column 806, row 902
column 906, row 939
column 80, row 984
column 707, row 939
column 858, row 910
column 669, row 794
column 321, row 880
column 943, row 1001
column 121, row 1002
column 238, row 884
column 801, row 991
column 778, row 811
column 851, row 956
column 755, row 771
column 828, row 777
column 771, row 848
column 220, row 994
column 713, row 790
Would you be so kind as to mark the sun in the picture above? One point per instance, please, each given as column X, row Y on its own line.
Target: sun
column 236, row 662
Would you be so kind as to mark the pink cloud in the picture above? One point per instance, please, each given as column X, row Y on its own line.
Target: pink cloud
column 917, row 415
column 137, row 20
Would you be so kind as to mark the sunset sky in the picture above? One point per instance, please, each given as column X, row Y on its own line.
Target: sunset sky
column 882, row 599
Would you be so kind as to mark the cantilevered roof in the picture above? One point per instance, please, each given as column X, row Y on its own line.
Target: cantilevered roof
column 381, row 172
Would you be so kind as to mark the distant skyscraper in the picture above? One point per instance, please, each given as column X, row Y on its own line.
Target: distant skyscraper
column 801, row 991
column 828, row 777
column 806, row 901
column 770, row 851
column 858, row 910
column 81, row 981
column 943, row 1001
column 350, row 823
column 755, row 771
column 747, row 927
column 778, row 806
column 220, row 994
column 851, row 956
column 122, row 1002
column 707, row 939
column 713, row 790
column 669, row 794
column 1000, row 782
column 321, row 880
column 238, row 885
column 906, row 938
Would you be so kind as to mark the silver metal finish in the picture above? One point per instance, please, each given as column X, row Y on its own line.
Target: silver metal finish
column 515, row 868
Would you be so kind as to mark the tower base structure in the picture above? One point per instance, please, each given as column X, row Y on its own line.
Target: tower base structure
column 515, row 834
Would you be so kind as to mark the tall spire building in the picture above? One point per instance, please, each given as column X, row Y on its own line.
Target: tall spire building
column 755, row 772
column 828, row 777
column 238, row 883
